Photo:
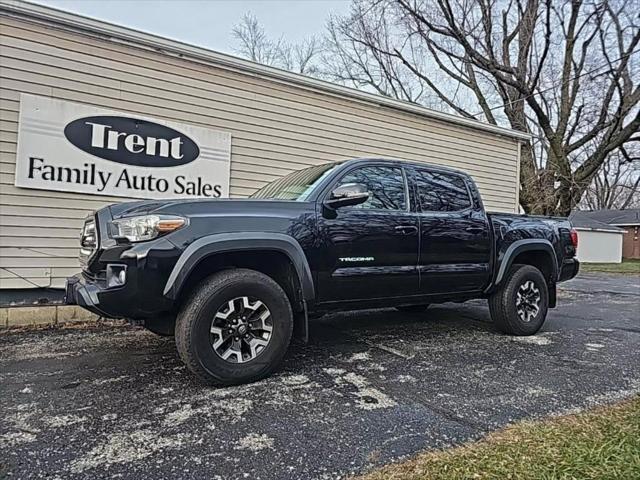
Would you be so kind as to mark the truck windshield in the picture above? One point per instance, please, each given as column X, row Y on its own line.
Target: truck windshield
column 297, row 185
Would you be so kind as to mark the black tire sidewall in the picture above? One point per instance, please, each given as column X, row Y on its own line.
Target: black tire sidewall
column 276, row 301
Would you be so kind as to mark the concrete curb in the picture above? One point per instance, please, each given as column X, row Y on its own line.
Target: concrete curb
column 32, row 316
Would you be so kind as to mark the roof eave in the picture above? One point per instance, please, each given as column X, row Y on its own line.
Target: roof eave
column 181, row 49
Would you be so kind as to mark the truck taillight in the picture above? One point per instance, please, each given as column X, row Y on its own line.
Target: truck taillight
column 574, row 237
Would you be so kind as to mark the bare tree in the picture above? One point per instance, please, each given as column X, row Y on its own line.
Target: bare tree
column 567, row 71
column 350, row 60
column 254, row 44
column 617, row 184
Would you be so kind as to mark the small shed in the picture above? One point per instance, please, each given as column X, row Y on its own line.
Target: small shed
column 598, row 242
column 628, row 220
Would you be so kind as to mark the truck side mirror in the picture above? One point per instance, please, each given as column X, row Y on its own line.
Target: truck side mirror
column 347, row 195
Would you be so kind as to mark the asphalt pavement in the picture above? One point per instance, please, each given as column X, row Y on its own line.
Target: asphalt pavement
column 370, row 387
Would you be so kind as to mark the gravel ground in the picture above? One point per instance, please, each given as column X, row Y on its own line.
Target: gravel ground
column 371, row 387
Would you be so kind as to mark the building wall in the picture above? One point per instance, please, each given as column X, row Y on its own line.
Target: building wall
column 276, row 127
column 599, row 247
column 631, row 242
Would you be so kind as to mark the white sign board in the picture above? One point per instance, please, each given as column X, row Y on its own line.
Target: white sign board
column 71, row 147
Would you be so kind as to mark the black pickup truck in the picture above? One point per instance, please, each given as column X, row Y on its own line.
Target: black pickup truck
column 234, row 279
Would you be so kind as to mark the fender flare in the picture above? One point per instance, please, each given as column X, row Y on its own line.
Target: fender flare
column 240, row 241
column 526, row 245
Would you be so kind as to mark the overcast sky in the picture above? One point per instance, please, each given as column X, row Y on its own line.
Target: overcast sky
column 208, row 23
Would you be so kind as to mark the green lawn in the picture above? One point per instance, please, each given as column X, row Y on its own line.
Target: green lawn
column 602, row 444
column 629, row 267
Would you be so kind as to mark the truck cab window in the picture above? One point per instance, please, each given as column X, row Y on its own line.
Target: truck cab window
column 441, row 192
column 385, row 184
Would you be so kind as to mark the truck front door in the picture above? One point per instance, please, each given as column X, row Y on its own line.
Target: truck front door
column 369, row 250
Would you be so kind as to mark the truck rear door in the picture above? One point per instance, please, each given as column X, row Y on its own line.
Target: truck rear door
column 455, row 239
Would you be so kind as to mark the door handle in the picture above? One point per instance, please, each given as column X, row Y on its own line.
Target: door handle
column 406, row 229
column 475, row 229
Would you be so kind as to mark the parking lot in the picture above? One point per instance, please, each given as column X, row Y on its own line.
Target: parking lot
column 370, row 387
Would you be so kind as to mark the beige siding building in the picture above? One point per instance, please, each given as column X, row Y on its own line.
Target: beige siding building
column 277, row 121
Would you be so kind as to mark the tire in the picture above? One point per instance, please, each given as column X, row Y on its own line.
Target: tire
column 506, row 315
column 196, row 340
column 412, row 308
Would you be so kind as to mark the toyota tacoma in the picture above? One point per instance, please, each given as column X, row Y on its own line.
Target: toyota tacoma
column 235, row 279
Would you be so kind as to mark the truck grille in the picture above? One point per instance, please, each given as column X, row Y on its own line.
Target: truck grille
column 88, row 240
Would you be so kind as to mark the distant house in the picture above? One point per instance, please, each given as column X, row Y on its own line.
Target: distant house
column 607, row 235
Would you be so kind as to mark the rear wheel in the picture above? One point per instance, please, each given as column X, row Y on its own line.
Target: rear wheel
column 235, row 328
column 520, row 306
column 413, row 308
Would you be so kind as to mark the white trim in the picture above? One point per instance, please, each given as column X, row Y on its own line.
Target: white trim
column 116, row 33
column 588, row 229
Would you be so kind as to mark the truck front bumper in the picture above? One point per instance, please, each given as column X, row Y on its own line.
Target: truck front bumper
column 136, row 299
column 79, row 292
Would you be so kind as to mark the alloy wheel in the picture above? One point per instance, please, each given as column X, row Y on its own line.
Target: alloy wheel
column 528, row 301
column 241, row 329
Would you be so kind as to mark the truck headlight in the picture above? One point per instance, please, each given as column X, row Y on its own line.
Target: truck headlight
column 145, row 227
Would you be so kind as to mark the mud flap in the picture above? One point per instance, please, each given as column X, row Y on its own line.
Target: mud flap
column 553, row 295
column 163, row 325
column 301, row 324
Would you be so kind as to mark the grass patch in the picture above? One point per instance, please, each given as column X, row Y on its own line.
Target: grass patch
column 601, row 444
column 628, row 267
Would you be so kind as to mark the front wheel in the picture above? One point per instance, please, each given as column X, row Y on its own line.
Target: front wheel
column 520, row 306
column 235, row 328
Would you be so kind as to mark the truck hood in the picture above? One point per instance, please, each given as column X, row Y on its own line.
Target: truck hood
column 205, row 207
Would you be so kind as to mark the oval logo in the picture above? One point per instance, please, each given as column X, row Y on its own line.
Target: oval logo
column 131, row 141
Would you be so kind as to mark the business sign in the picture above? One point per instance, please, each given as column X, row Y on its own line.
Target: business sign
column 71, row 147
